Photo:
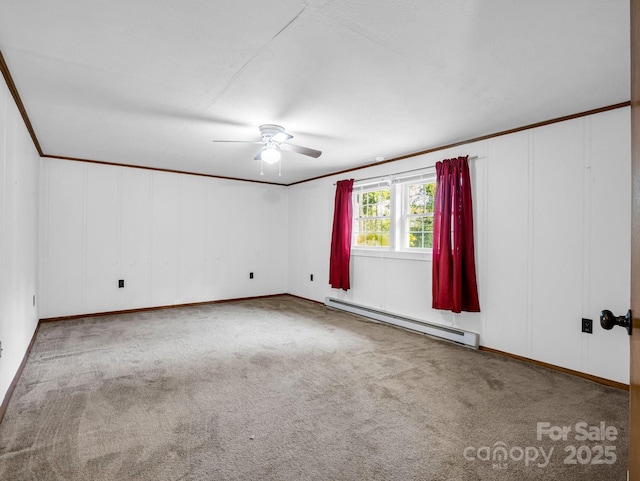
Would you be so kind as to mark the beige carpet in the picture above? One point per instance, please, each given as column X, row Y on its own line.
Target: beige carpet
column 285, row 389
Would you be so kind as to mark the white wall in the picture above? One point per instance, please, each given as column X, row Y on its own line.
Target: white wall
column 552, row 232
column 552, row 214
column 18, row 239
column 173, row 238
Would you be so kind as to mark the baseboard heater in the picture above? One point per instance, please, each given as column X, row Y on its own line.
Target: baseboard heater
column 445, row 332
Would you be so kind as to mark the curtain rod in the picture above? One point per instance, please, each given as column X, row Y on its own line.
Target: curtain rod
column 474, row 157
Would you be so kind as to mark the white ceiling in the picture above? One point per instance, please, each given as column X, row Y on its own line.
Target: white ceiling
column 153, row 82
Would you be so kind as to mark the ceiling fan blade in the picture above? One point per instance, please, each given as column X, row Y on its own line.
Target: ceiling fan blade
column 281, row 137
column 301, row 150
column 258, row 155
column 240, row 141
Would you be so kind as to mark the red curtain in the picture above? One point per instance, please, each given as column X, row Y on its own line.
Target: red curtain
column 454, row 272
column 341, row 237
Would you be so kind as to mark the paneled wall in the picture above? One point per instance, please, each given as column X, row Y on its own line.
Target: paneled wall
column 18, row 239
column 172, row 238
column 552, row 213
column 552, row 209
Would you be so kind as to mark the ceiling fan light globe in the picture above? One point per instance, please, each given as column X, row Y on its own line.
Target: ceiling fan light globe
column 270, row 155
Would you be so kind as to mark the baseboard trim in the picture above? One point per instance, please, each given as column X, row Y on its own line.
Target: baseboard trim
column 156, row 308
column 12, row 386
column 306, row 299
column 16, row 378
column 590, row 377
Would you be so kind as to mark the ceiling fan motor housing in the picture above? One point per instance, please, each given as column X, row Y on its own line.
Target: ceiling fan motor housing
column 269, row 130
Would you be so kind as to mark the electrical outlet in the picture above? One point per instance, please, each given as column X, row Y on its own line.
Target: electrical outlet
column 587, row 325
column 311, row 277
column 250, row 275
column 120, row 283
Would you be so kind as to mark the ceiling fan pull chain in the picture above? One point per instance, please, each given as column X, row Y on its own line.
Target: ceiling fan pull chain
column 280, row 167
column 261, row 170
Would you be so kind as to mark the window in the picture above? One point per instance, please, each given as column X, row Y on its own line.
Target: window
column 418, row 215
column 372, row 219
column 394, row 215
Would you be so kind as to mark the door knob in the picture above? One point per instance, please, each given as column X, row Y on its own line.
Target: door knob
column 608, row 320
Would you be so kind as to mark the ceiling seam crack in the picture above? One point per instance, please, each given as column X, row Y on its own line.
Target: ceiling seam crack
column 253, row 57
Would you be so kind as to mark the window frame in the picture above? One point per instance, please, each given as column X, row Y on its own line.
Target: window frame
column 364, row 189
column 398, row 207
column 406, row 216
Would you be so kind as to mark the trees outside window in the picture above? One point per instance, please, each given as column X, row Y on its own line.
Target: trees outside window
column 418, row 215
column 372, row 219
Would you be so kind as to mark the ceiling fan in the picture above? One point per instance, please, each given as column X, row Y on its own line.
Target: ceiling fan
column 275, row 139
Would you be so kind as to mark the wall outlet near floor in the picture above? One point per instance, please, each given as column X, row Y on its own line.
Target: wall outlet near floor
column 587, row 325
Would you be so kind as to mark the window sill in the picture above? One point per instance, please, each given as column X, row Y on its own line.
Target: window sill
column 424, row 256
